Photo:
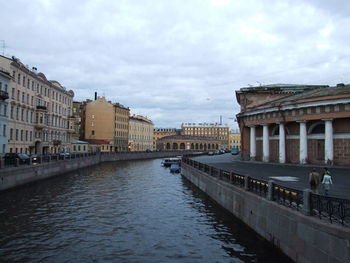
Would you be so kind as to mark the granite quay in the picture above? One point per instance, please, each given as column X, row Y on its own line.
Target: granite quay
column 307, row 227
column 19, row 174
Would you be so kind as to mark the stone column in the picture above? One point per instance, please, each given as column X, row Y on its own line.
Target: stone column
column 328, row 145
column 282, row 144
column 252, row 143
column 266, row 148
column 302, row 142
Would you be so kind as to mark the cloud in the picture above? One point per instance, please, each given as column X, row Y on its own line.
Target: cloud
column 179, row 61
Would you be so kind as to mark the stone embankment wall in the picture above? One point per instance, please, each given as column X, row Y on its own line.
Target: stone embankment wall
column 303, row 238
column 15, row 176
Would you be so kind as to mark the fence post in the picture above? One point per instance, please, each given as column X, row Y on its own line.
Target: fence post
column 307, row 202
column 30, row 160
column 231, row 177
column 270, row 190
column 246, row 183
column 2, row 163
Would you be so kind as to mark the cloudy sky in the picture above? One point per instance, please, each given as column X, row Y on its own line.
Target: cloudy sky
column 179, row 60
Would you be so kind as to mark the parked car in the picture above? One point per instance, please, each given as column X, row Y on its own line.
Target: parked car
column 234, row 151
column 10, row 158
column 210, row 153
column 35, row 158
column 63, row 155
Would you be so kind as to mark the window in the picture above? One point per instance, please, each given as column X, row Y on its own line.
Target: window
column 16, row 134
column 11, row 134
column 4, row 130
column 92, row 132
column 24, row 81
column 21, row 135
column 13, row 93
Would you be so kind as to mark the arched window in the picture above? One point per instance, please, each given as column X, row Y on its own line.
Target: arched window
column 317, row 128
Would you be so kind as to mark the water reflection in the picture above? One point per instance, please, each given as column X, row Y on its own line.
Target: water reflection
column 122, row 212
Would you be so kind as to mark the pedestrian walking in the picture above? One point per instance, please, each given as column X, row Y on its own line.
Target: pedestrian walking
column 325, row 171
column 314, row 181
column 327, row 182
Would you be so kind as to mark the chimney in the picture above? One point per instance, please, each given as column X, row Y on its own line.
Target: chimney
column 95, row 95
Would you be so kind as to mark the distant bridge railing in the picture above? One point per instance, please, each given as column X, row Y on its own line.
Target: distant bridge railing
column 335, row 210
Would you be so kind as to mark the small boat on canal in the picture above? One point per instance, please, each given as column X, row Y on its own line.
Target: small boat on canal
column 175, row 168
column 169, row 161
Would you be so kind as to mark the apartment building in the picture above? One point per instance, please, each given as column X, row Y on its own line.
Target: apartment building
column 5, row 78
column 235, row 139
column 38, row 111
column 101, row 120
column 140, row 133
column 218, row 131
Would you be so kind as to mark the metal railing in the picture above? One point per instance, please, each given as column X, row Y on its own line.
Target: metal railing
column 335, row 210
column 287, row 196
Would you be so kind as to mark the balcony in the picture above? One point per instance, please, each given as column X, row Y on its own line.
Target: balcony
column 4, row 95
column 57, row 142
column 39, row 126
column 70, row 130
column 40, row 107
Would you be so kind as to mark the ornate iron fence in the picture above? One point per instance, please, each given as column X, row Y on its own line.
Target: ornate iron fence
column 287, row 196
column 258, row 186
column 335, row 209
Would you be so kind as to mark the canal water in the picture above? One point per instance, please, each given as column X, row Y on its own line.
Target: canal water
column 122, row 212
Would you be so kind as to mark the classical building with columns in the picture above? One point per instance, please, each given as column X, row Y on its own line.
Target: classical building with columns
column 295, row 123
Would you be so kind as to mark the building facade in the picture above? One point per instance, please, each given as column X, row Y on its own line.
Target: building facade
column 235, row 139
column 38, row 111
column 103, row 120
column 121, row 127
column 5, row 78
column 295, row 124
column 187, row 142
column 140, row 133
column 159, row 133
column 217, row 131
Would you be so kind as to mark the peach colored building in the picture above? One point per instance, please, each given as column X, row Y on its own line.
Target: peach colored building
column 107, row 121
column 295, row 123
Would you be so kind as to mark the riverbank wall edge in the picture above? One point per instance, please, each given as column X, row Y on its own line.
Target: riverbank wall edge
column 16, row 176
column 304, row 239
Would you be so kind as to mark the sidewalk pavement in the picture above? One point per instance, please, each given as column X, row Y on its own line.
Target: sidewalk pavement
column 289, row 175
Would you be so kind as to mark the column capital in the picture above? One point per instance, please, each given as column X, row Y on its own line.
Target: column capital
column 251, row 126
column 265, row 124
column 301, row 121
column 330, row 119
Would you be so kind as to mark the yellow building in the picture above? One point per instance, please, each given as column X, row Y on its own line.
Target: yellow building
column 103, row 120
column 38, row 112
column 140, row 133
column 217, row 131
column 235, row 139
column 160, row 133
